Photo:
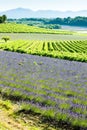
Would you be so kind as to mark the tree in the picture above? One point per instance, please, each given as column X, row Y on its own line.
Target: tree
column 4, row 18
column 5, row 38
column 0, row 19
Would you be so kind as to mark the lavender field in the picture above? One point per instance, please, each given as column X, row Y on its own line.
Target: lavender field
column 54, row 88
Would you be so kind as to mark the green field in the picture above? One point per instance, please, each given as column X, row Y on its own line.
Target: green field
column 25, row 32
column 71, row 49
column 23, row 28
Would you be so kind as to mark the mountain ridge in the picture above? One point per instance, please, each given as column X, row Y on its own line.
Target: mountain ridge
column 28, row 13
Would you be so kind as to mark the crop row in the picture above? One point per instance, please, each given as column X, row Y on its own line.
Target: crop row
column 72, row 50
column 53, row 91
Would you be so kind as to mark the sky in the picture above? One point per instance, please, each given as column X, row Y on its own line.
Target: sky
column 62, row 5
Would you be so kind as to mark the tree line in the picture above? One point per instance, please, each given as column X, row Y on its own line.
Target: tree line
column 77, row 21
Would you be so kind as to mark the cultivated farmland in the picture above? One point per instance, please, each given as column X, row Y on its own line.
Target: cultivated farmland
column 71, row 50
column 53, row 88
column 23, row 28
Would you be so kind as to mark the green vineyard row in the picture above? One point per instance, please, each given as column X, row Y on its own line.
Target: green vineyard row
column 71, row 50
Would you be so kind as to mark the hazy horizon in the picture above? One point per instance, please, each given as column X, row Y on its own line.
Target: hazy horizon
column 58, row 5
column 40, row 9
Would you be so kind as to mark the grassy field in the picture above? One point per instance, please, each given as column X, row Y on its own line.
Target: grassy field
column 71, row 49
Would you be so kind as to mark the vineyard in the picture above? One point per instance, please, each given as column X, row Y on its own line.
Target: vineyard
column 23, row 28
column 71, row 50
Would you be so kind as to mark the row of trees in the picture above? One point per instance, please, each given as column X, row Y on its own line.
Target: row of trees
column 3, row 18
column 77, row 21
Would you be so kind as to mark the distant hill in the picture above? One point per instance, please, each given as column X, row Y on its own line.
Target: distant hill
column 27, row 13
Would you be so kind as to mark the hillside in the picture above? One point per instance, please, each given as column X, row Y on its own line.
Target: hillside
column 22, row 28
